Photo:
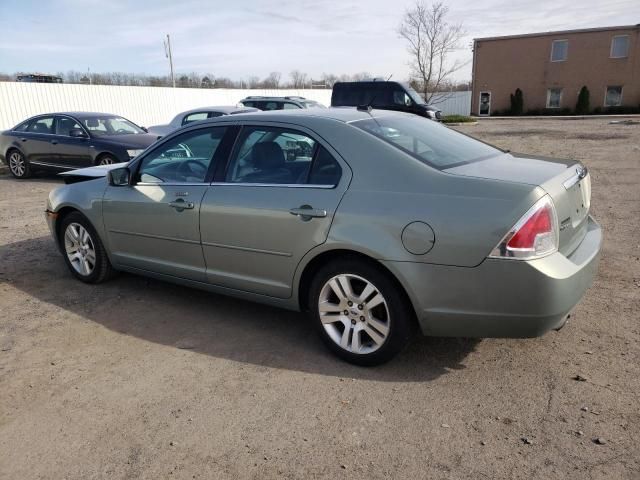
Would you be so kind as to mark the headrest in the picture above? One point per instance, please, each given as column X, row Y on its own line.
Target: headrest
column 267, row 155
column 93, row 122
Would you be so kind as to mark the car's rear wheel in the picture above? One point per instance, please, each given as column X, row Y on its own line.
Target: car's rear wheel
column 106, row 160
column 18, row 164
column 84, row 253
column 360, row 312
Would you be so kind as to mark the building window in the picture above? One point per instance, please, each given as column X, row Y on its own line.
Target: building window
column 613, row 97
column 620, row 46
column 554, row 96
column 559, row 50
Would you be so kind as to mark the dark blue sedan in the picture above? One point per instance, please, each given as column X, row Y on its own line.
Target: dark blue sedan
column 70, row 140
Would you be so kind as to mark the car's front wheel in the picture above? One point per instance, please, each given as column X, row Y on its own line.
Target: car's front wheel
column 84, row 253
column 18, row 164
column 360, row 312
column 106, row 160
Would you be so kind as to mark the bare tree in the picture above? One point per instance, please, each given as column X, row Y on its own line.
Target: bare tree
column 431, row 41
column 298, row 79
column 272, row 80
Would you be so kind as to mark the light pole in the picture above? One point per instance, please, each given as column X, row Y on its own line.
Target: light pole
column 167, row 53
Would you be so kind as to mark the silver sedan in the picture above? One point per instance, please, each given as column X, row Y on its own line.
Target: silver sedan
column 373, row 222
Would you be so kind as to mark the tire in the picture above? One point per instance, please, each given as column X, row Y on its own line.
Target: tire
column 18, row 164
column 83, row 250
column 106, row 160
column 379, row 320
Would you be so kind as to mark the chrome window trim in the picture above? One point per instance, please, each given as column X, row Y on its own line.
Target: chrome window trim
column 281, row 185
column 170, row 184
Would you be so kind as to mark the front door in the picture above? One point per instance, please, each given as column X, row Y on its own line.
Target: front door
column 485, row 104
column 276, row 203
column 71, row 152
column 154, row 224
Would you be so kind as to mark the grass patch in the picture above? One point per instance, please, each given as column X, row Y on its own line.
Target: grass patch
column 458, row 119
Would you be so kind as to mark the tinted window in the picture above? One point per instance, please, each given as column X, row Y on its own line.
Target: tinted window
column 194, row 117
column 271, row 156
column 325, row 170
column 272, row 105
column 428, row 141
column 185, row 158
column 65, row 124
column 22, row 127
column 41, row 125
column 249, row 104
column 289, row 106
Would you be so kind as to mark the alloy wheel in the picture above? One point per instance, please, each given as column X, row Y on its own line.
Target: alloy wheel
column 80, row 249
column 16, row 164
column 354, row 313
column 106, row 161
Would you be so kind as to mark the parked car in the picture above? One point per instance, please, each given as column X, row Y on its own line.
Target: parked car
column 371, row 221
column 279, row 103
column 397, row 96
column 70, row 140
column 196, row 115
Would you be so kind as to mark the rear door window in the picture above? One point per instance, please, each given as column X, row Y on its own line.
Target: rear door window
column 41, row 125
column 194, row 117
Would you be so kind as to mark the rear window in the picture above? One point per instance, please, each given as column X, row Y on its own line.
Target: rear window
column 428, row 141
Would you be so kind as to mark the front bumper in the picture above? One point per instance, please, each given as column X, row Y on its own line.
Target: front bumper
column 500, row 297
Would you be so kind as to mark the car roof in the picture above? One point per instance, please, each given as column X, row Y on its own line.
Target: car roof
column 290, row 98
column 228, row 109
column 340, row 114
column 79, row 114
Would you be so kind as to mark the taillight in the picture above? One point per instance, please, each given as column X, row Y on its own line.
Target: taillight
column 535, row 235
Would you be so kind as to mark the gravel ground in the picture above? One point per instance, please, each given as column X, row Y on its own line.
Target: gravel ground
column 141, row 379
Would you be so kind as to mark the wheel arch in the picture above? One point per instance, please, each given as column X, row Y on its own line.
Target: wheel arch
column 313, row 265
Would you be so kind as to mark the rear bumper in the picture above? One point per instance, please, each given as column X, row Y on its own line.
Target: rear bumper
column 501, row 298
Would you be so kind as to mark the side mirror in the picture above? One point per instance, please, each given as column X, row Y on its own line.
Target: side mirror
column 119, row 177
column 77, row 133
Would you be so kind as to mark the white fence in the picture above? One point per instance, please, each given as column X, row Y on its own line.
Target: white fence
column 453, row 103
column 142, row 105
column 152, row 105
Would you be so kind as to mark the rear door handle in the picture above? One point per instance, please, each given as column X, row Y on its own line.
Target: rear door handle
column 23, row 139
column 54, row 142
column 306, row 212
column 180, row 205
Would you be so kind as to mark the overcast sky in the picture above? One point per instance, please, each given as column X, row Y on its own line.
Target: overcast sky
column 241, row 38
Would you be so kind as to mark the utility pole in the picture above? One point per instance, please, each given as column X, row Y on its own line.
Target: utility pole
column 167, row 53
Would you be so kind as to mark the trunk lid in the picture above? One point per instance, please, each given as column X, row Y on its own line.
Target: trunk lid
column 566, row 181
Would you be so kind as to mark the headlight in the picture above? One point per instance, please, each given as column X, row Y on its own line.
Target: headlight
column 134, row 153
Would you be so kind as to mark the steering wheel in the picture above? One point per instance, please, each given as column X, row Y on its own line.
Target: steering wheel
column 192, row 167
column 122, row 130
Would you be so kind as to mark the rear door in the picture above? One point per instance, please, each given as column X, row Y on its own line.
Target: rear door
column 36, row 141
column 274, row 203
column 71, row 152
column 154, row 223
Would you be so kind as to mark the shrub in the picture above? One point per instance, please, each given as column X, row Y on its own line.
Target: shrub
column 582, row 105
column 517, row 103
column 457, row 119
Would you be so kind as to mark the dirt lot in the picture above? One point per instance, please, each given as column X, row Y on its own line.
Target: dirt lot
column 141, row 379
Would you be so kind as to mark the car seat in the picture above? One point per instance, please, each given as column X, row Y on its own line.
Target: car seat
column 269, row 164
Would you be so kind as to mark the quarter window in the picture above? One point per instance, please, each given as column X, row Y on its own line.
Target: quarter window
column 620, row 46
column 184, row 159
column 559, row 50
column 554, row 97
column 613, row 97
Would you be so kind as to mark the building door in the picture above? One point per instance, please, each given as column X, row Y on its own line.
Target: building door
column 485, row 104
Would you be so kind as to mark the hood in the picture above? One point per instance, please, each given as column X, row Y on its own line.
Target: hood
column 83, row 174
column 517, row 168
column 137, row 141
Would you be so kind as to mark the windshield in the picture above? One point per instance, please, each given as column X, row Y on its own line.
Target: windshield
column 415, row 96
column 99, row 126
column 428, row 141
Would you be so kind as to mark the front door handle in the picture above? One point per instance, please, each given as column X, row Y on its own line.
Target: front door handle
column 23, row 139
column 307, row 212
column 181, row 205
column 54, row 142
